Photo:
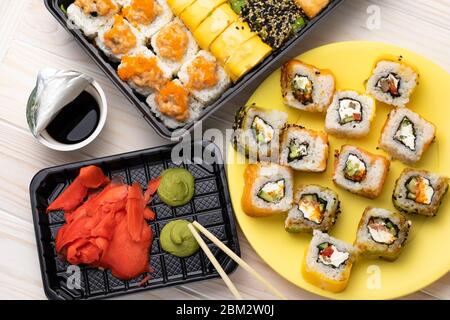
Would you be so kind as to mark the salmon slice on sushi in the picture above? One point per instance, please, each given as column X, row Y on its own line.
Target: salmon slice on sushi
column 174, row 105
column 328, row 262
column 257, row 132
column 148, row 16
column 406, row 136
column 419, row 192
column 306, row 87
column 360, row 172
column 350, row 115
column 315, row 208
column 204, row 77
column 268, row 189
column 91, row 15
column 174, row 45
column 392, row 81
column 144, row 72
column 381, row 234
column 118, row 38
column 303, row 149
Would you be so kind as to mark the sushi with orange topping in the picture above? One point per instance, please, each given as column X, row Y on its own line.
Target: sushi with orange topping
column 174, row 45
column 118, row 38
column 174, row 105
column 148, row 16
column 144, row 72
column 91, row 15
column 204, row 77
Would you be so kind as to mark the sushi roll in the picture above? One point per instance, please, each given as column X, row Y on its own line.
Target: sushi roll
column 230, row 40
column 214, row 25
column 420, row 192
column 257, row 132
column 328, row 262
column 148, row 16
column 312, row 7
column 174, row 105
column 268, row 189
column 392, row 81
column 305, row 87
column 381, row 234
column 360, row 172
column 245, row 57
column 199, row 10
column 118, row 38
column 303, row 149
column 91, row 15
column 350, row 115
column 406, row 136
column 275, row 21
column 204, row 77
column 144, row 72
column 178, row 6
column 174, row 45
column 315, row 208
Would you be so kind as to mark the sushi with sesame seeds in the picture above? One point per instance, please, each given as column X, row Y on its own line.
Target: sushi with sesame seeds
column 275, row 21
column 315, row 208
column 419, row 192
column 381, row 234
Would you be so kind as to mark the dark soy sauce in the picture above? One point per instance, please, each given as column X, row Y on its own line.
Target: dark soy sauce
column 76, row 121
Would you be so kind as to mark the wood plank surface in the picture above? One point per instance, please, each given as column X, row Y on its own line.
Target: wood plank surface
column 31, row 40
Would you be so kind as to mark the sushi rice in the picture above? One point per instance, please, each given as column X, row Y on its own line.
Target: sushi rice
column 207, row 94
column 303, row 149
column 406, row 136
column 119, row 22
column 315, row 208
column 419, row 192
column 328, row 262
column 257, row 132
column 190, row 50
column 89, row 23
column 350, row 114
column 268, row 189
column 360, row 172
column 194, row 106
column 145, row 90
column 306, row 87
column 163, row 17
column 392, row 82
column 381, row 234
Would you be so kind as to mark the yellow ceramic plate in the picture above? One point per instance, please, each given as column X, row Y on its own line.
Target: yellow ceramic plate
column 426, row 256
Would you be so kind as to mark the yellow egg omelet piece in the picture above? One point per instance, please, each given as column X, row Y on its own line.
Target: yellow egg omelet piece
column 214, row 25
column 178, row 6
column 229, row 40
column 194, row 14
column 246, row 56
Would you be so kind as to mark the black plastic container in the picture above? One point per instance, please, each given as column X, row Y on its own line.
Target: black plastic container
column 54, row 6
column 211, row 207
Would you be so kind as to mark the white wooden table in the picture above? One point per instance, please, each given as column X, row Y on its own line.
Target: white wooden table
column 30, row 39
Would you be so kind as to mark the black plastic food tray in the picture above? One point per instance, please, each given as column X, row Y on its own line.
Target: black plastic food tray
column 211, row 207
column 109, row 68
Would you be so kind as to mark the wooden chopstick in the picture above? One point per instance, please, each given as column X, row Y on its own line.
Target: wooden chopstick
column 215, row 263
column 238, row 260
